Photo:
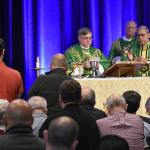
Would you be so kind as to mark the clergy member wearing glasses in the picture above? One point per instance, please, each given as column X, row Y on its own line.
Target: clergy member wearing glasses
column 80, row 54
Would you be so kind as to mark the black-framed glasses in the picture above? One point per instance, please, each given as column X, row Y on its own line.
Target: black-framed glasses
column 131, row 27
column 87, row 38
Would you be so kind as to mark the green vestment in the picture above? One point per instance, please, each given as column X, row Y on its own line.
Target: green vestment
column 119, row 45
column 145, row 70
column 75, row 54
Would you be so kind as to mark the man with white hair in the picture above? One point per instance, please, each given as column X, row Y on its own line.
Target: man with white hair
column 121, row 123
column 3, row 105
column 39, row 107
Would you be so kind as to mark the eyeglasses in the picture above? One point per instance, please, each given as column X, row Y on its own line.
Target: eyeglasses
column 87, row 38
column 131, row 27
column 141, row 34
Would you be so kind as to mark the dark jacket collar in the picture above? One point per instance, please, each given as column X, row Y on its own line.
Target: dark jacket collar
column 19, row 129
column 71, row 106
column 57, row 70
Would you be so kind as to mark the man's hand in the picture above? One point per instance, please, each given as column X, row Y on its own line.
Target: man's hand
column 141, row 59
column 86, row 65
column 129, row 54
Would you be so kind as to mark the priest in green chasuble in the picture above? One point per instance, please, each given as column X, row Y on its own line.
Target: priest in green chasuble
column 121, row 47
column 81, row 54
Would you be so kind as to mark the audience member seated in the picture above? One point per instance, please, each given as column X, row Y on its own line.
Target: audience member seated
column 70, row 97
column 39, row 113
column 119, row 122
column 79, row 55
column 47, row 86
column 18, row 136
column 113, row 142
column 125, row 48
column 11, row 86
column 133, row 100
column 147, row 107
column 3, row 105
column 62, row 134
column 88, row 103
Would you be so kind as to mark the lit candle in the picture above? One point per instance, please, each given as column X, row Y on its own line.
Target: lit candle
column 37, row 62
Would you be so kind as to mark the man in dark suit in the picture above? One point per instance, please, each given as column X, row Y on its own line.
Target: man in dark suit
column 18, row 136
column 88, row 103
column 47, row 86
column 70, row 96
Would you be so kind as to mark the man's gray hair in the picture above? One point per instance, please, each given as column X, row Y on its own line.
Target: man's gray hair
column 88, row 96
column 143, row 27
column 3, row 104
column 38, row 102
column 114, row 101
column 84, row 31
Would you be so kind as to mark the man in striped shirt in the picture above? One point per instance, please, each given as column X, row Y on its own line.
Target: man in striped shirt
column 121, row 123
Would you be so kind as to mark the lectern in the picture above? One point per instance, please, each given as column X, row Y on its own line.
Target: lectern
column 124, row 69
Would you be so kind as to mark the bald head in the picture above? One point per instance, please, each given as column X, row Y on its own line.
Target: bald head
column 63, row 131
column 58, row 61
column 133, row 23
column 115, row 101
column 18, row 111
column 88, row 96
column 131, row 28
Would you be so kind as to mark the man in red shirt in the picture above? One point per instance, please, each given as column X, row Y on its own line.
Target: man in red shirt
column 11, row 86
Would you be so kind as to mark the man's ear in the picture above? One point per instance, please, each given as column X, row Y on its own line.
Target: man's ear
column 126, row 106
column 61, row 103
column 59, row 99
column 2, row 54
column 31, row 121
column 45, row 135
column 5, row 121
column 51, row 67
column 79, row 38
column 74, row 145
column 3, row 51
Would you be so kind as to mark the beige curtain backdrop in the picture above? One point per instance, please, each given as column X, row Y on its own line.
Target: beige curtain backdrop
column 104, row 87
